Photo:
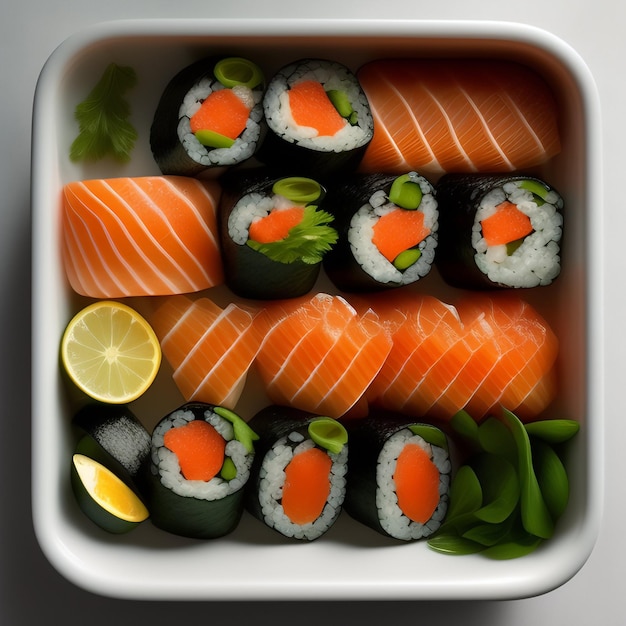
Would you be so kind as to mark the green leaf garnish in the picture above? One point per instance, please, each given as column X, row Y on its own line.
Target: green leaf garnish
column 505, row 500
column 308, row 241
column 553, row 431
column 102, row 117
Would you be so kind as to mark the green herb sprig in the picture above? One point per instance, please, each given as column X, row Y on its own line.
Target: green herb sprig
column 308, row 241
column 102, row 118
column 505, row 500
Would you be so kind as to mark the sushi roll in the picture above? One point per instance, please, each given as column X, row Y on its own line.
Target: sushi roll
column 318, row 118
column 398, row 476
column 273, row 234
column 498, row 231
column 298, row 482
column 201, row 457
column 387, row 228
column 209, row 116
column 114, row 436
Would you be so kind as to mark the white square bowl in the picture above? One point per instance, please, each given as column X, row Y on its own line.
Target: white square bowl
column 347, row 563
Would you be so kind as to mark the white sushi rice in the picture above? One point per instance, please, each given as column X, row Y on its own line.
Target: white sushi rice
column 126, row 440
column 272, row 479
column 536, row 262
column 244, row 146
column 390, row 516
column 366, row 253
column 332, row 76
column 250, row 208
column 165, row 462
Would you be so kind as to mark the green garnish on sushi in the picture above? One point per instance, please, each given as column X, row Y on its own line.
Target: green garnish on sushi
column 405, row 192
column 243, row 433
column 328, row 434
column 306, row 241
column 104, row 129
column 342, row 103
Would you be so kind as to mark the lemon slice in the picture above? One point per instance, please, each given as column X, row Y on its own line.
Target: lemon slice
column 110, row 352
column 104, row 497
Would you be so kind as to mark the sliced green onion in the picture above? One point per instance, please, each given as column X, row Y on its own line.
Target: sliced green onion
column 234, row 71
column 405, row 193
column 298, row 189
column 328, row 434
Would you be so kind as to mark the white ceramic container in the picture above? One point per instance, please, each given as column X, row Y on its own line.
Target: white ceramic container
column 351, row 562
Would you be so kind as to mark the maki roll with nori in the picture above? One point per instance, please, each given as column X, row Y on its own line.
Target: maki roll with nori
column 114, row 436
column 318, row 118
column 398, row 476
column 273, row 233
column 387, row 228
column 209, row 115
column 297, row 485
column 201, row 457
column 498, row 231
column 108, row 466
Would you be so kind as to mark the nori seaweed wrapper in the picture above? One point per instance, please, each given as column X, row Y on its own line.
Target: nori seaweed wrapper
column 367, row 438
column 343, row 201
column 271, row 424
column 459, row 197
column 191, row 516
column 323, row 164
column 169, row 153
column 112, row 435
column 247, row 272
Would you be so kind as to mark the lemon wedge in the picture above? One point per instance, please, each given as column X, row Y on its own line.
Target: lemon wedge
column 104, row 497
column 110, row 352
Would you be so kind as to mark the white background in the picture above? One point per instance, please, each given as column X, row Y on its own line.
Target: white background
column 31, row 592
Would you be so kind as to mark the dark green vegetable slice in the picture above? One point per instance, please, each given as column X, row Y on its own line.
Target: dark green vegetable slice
column 535, row 515
column 552, row 478
column 553, row 431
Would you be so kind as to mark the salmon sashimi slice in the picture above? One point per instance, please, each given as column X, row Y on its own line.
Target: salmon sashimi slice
column 210, row 349
column 429, row 329
column 464, row 116
column 479, row 355
column 322, row 356
column 152, row 235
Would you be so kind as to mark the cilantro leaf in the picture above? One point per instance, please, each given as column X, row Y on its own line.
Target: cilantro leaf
column 308, row 241
column 102, row 117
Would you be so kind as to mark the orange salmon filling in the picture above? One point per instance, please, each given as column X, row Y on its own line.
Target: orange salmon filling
column 507, row 224
column 307, row 485
column 222, row 112
column 199, row 448
column 398, row 231
column 311, row 106
column 276, row 225
column 417, row 483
